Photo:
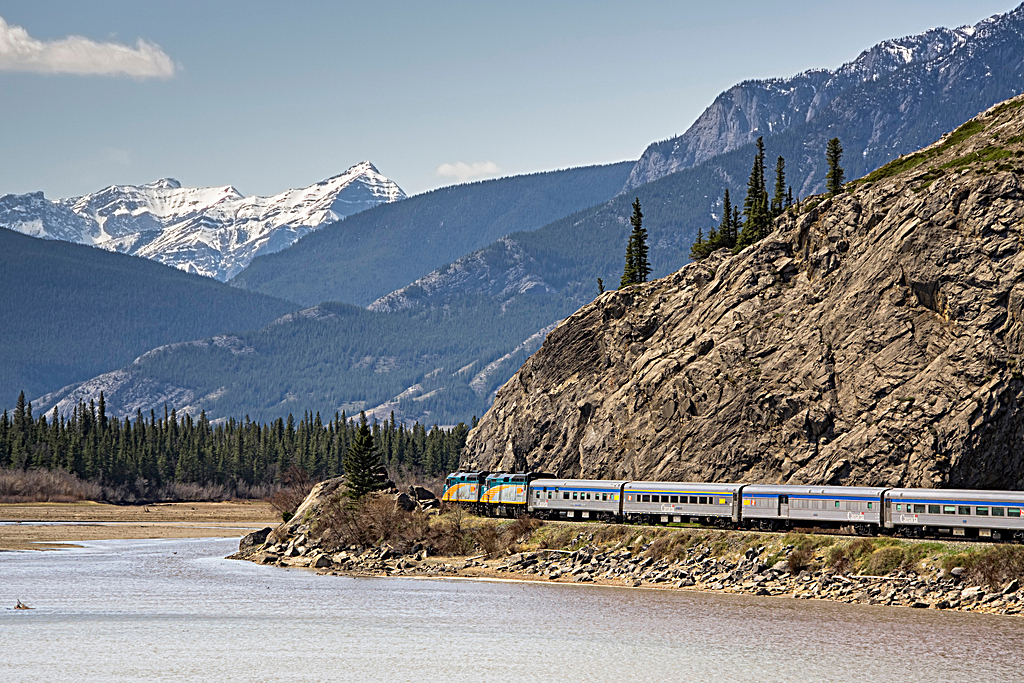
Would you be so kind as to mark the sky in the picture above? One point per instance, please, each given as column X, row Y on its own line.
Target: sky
column 270, row 96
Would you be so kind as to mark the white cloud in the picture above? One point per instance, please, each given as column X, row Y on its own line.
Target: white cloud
column 462, row 171
column 77, row 55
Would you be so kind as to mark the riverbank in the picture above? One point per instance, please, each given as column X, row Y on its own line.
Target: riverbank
column 968, row 577
column 43, row 526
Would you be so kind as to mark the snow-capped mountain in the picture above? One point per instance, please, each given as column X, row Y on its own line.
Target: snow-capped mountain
column 214, row 231
column 941, row 58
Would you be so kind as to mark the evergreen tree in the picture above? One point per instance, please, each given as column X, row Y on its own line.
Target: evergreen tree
column 835, row 174
column 637, row 268
column 779, row 198
column 364, row 471
column 698, row 250
column 629, row 269
column 755, row 207
column 600, row 290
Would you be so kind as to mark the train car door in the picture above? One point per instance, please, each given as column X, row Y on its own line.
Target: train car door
column 783, row 507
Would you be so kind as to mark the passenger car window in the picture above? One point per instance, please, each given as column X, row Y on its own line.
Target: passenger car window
column 919, row 509
column 565, row 495
column 646, row 498
column 964, row 509
column 998, row 512
column 1013, row 512
column 933, row 509
column 983, row 512
column 869, row 506
column 949, row 509
column 899, row 507
column 693, row 500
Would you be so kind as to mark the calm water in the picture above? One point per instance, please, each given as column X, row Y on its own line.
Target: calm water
column 175, row 611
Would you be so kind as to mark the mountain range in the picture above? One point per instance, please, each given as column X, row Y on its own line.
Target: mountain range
column 895, row 97
column 213, row 231
column 463, row 283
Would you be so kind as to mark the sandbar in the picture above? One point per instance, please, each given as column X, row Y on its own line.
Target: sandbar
column 47, row 526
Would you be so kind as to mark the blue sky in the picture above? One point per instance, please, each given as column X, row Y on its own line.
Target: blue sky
column 270, row 96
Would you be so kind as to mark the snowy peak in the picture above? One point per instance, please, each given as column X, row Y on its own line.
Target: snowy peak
column 164, row 184
column 214, row 231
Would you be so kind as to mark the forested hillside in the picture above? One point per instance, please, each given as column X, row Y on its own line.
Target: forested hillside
column 71, row 312
column 372, row 253
column 330, row 358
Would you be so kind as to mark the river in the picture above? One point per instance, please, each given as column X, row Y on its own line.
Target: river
column 174, row 610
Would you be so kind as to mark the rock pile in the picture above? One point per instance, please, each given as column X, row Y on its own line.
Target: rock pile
column 700, row 571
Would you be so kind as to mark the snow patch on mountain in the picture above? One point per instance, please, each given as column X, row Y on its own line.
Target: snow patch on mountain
column 214, row 231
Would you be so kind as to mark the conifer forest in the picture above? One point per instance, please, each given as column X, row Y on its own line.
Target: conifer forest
column 146, row 453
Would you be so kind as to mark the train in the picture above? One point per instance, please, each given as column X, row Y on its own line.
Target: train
column 866, row 510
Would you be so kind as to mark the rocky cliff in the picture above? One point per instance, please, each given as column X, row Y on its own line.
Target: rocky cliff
column 873, row 338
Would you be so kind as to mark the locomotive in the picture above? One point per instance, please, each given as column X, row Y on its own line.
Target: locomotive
column 908, row 512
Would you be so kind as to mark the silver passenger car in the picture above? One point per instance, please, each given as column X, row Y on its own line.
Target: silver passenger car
column 955, row 512
column 668, row 502
column 576, row 499
column 783, row 507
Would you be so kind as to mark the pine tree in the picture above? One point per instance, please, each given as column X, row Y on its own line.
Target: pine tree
column 698, row 250
column 728, row 231
column 835, row 174
column 755, row 206
column 364, row 470
column 637, row 268
column 600, row 290
column 779, row 198
column 629, row 269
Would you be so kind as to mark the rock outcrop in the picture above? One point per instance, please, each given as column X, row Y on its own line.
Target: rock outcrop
column 874, row 337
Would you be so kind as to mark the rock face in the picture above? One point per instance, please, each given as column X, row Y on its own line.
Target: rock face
column 873, row 338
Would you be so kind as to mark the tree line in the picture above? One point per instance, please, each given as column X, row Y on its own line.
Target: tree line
column 759, row 210
column 150, row 451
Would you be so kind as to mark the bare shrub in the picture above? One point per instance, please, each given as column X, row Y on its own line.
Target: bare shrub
column 45, row 486
column 800, row 559
column 521, row 529
column 297, row 486
column 488, row 540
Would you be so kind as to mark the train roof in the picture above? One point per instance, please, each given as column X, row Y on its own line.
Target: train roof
column 791, row 490
column 682, row 486
column 957, row 495
column 593, row 483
